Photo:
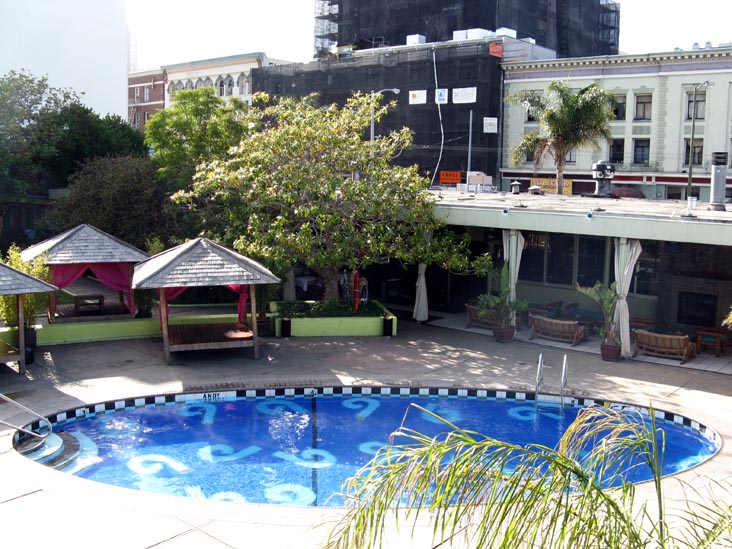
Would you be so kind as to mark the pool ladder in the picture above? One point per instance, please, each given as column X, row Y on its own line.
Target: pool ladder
column 540, row 381
column 25, row 409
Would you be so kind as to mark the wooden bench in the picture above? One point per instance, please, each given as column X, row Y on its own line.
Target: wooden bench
column 663, row 345
column 96, row 300
column 569, row 331
column 487, row 321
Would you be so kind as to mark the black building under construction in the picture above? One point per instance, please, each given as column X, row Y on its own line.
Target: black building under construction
column 572, row 28
column 445, row 58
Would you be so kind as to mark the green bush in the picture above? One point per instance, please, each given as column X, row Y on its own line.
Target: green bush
column 319, row 309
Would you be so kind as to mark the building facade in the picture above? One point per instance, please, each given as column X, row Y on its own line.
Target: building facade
column 570, row 27
column 449, row 95
column 145, row 96
column 662, row 99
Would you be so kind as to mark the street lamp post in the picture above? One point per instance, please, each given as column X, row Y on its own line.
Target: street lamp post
column 706, row 83
column 390, row 90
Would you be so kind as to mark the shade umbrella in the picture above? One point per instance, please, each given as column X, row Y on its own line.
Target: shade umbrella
column 289, row 287
column 421, row 308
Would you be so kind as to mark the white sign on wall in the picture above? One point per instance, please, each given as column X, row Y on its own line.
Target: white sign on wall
column 490, row 125
column 417, row 97
column 464, row 95
column 441, row 96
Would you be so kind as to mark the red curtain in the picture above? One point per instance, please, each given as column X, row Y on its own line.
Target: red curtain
column 113, row 275
column 241, row 306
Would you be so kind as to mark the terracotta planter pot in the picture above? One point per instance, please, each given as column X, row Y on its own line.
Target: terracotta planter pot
column 503, row 334
column 610, row 352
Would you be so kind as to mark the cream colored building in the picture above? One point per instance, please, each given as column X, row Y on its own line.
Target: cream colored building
column 653, row 130
column 231, row 76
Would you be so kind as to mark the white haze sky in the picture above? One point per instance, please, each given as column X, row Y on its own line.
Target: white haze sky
column 175, row 31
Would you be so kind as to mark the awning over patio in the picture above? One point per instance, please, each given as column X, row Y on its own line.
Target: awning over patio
column 202, row 262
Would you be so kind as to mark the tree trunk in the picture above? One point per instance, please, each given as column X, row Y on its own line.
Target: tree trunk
column 329, row 275
column 559, row 164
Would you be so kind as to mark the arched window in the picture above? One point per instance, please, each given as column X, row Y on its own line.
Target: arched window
column 171, row 89
column 243, row 83
column 229, row 85
column 189, row 85
column 208, row 82
column 222, row 87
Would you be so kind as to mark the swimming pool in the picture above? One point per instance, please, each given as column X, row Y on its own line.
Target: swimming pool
column 297, row 446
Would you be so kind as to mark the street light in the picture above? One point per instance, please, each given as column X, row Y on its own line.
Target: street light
column 706, row 83
column 390, row 90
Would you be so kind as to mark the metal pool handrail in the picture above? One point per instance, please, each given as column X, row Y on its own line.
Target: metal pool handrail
column 25, row 409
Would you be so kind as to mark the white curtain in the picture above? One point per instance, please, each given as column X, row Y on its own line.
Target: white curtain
column 421, row 308
column 513, row 247
column 289, row 289
column 627, row 252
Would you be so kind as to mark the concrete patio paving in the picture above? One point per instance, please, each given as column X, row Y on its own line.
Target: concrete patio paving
column 40, row 507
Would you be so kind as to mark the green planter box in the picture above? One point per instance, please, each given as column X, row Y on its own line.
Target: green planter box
column 385, row 325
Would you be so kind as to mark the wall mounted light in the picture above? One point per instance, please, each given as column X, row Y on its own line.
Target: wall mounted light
column 505, row 211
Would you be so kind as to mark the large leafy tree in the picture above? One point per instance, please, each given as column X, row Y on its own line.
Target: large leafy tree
column 120, row 195
column 24, row 99
column 64, row 139
column 483, row 493
column 198, row 127
column 567, row 120
column 304, row 186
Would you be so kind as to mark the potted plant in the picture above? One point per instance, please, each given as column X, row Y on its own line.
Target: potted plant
column 144, row 301
column 499, row 308
column 607, row 298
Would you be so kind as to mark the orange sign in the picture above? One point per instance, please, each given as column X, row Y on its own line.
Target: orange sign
column 449, row 176
column 495, row 49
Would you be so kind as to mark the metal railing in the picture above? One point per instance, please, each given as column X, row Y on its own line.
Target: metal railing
column 25, row 409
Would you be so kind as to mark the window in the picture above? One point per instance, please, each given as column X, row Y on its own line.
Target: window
column 643, row 107
column 617, row 151
column 641, row 151
column 646, row 275
column 696, row 111
column 229, row 85
column 146, row 94
column 136, row 120
column 590, row 260
column 560, row 259
column 619, row 108
column 696, row 153
column 532, row 258
column 137, row 94
column 571, row 157
column 222, row 88
column 530, row 116
column 147, row 116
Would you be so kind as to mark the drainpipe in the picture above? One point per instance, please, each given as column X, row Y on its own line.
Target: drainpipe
column 719, row 180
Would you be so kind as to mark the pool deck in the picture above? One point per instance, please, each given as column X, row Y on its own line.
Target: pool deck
column 40, row 507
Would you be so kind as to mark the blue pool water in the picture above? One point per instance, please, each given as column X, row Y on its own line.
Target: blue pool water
column 299, row 450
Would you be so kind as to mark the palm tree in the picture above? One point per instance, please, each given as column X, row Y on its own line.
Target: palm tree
column 480, row 492
column 567, row 121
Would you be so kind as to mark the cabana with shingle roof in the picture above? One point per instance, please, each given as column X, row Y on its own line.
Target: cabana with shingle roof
column 202, row 262
column 72, row 252
column 17, row 283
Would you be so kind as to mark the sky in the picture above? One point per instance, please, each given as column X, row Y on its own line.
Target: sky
column 175, row 31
